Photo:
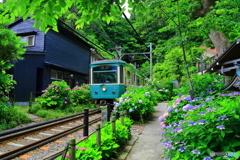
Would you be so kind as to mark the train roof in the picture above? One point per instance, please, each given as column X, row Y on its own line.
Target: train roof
column 108, row 61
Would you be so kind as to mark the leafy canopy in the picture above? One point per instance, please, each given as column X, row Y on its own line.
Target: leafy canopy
column 47, row 12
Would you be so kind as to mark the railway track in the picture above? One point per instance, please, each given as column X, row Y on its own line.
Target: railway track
column 17, row 142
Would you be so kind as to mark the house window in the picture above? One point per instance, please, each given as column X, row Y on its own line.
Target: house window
column 29, row 40
column 56, row 74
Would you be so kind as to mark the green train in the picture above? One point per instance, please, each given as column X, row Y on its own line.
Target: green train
column 109, row 78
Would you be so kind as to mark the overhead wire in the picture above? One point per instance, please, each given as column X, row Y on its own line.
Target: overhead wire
column 133, row 29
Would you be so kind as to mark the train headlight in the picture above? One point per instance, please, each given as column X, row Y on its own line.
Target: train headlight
column 104, row 89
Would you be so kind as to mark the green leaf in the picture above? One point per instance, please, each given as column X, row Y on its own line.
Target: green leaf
column 223, row 134
column 236, row 116
column 62, row 3
column 235, row 144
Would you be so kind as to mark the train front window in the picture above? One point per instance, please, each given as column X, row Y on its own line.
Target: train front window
column 105, row 74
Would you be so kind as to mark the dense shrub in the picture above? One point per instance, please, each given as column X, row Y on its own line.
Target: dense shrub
column 137, row 100
column 164, row 89
column 11, row 117
column 204, row 85
column 48, row 114
column 59, row 95
column 88, row 149
column 81, row 94
column 196, row 127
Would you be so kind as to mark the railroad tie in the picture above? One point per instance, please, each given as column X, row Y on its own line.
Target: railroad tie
column 65, row 127
column 15, row 144
column 30, row 138
column 46, row 134
column 57, row 130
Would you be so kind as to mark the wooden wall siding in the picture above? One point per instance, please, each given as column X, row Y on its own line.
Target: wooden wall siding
column 65, row 51
column 26, row 26
column 25, row 74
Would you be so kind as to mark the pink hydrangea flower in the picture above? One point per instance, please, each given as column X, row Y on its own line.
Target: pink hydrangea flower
column 83, row 149
column 67, row 156
column 166, row 114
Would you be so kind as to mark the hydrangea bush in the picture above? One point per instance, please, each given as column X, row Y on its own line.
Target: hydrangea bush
column 196, row 127
column 164, row 89
column 204, row 85
column 60, row 95
column 88, row 149
column 81, row 94
column 137, row 100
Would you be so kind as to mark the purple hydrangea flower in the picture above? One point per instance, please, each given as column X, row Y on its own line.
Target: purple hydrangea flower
column 169, row 109
column 220, row 127
column 191, row 124
column 176, row 110
column 195, row 151
column 161, row 118
column 202, row 121
column 168, row 145
column 202, row 113
column 181, row 149
column 207, row 158
column 178, row 130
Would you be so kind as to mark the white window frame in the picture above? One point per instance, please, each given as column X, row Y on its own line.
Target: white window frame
column 56, row 75
column 27, row 40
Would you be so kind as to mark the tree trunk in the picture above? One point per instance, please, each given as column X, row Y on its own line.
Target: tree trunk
column 220, row 41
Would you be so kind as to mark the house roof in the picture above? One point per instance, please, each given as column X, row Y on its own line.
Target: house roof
column 228, row 64
column 68, row 29
column 225, row 63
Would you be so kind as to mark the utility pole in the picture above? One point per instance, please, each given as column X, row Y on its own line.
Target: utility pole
column 150, row 60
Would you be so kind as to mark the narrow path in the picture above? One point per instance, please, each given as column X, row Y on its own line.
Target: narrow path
column 148, row 145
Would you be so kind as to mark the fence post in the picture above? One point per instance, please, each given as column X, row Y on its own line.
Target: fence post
column 72, row 151
column 85, row 122
column 30, row 99
column 117, row 115
column 114, row 125
column 98, row 135
column 108, row 112
column 125, row 113
column 65, row 152
column 122, row 118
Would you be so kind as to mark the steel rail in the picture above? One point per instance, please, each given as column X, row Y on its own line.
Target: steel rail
column 19, row 151
column 43, row 126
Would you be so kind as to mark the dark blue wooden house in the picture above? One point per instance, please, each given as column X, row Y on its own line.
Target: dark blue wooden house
column 49, row 57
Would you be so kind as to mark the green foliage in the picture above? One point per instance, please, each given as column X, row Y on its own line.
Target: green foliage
column 11, row 51
column 203, row 124
column 11, row 117
column 60, row 96
column 87, row 149
column 137, row 100
column 164, row 89
column 57, row 95
column 106, row 11
column 80, row 94
column 204, row 85
column 48, row 114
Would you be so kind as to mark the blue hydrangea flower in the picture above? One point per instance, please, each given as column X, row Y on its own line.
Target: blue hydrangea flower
column 182, row 149
column 202, row 121
column 130, row 110
column 220, row 127
column 207, row 158
column 169, row 109
column 195, row 151
column 176, row 110
column 202, row 113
